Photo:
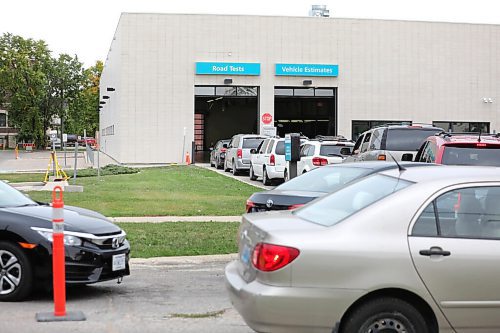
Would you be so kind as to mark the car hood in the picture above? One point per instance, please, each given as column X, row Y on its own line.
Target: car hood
column 75, row 219
column 285, row 198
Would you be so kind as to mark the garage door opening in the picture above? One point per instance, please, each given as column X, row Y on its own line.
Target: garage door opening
column 310, row 111
column 221, row 112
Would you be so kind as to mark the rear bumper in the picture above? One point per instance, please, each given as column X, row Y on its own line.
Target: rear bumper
column 268, row 308
column 275, row 172
column 242, row 166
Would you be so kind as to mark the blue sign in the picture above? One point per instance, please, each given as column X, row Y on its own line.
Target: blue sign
column 288, row 147
column 227, row 68
column 307, row 70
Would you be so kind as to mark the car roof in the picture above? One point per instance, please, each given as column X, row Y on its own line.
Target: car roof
column 448, row 174
column 379, row 165
column 451, row 138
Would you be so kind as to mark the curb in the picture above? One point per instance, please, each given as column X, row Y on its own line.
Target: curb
column 160, row 261
column 162, row 219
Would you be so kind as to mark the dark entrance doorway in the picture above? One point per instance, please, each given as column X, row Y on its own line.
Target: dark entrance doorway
column 310, row 111
column 221, row 112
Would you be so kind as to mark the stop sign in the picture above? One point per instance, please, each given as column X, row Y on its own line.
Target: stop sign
column 267, row 118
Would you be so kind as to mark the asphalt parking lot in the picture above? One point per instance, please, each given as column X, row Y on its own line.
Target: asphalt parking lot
column 161, row 295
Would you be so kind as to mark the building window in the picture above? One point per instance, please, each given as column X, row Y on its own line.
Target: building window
column 360, row 126
column 303, row 92
column 3, row 120
column 463, row 127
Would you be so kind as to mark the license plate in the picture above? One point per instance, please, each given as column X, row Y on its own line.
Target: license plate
column 119, row 262
column 245, row 254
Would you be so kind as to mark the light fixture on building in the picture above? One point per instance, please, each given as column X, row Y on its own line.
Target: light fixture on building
column 105, row 97
column 307, row 82
column 228, row 81
column 110, row 89
column 487, row 100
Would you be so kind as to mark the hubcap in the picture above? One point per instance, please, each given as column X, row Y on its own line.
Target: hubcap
column 386, row 325
column 10, row 273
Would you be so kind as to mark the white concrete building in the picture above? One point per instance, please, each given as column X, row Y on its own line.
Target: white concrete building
column 179, row 79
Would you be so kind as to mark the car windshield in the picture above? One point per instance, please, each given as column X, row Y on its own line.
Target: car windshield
column 324, row 180
column 252, row 142
column 331, row 150
column 407, row 139
column 339, row 205
column 10, row 197
column 489, row 156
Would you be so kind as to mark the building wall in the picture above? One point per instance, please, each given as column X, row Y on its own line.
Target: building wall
column 396, row 70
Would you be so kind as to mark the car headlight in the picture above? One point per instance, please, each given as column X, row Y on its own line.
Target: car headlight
column 69, row 240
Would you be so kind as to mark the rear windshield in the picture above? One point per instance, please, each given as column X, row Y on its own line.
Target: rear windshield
column 331, row 150
column 324, row 180
column 280, row 148
column 339, row 205
column 489, row 156
column 407, row 139
column 252, row 142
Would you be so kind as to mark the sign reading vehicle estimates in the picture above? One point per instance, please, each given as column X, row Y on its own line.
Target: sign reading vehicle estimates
column 307, row 70
column 227, row 68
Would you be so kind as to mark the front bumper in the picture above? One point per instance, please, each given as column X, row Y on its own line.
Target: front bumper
column 268, row 308
column 84, row 264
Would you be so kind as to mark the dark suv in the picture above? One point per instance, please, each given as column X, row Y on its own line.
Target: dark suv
column 461, row 149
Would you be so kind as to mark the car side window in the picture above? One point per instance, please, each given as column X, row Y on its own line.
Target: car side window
column 357, row 145
column 376, row 142
column 270, row 147
column 430, row 153
column 464, row 213
column 312, row 149
column 303, row 150
column 420, row 157
column 366, row 141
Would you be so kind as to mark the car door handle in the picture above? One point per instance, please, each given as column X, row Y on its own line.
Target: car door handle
column 435, row 251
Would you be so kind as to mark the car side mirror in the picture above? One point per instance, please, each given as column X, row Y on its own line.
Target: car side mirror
column 407, row 157
column 253, row 151
column 345, row 151
column 211, row 148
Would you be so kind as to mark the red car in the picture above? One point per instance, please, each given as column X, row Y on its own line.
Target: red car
column 88, row 140
column 461, row 149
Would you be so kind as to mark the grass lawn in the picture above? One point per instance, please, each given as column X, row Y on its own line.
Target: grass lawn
column 181, row 238
column 173, row 190
column 22, row 177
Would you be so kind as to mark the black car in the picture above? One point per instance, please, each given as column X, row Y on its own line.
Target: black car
column 96, row 249
column 316, row 183
column 218, row 153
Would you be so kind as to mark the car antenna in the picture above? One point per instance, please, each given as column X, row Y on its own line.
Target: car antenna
column 400, row 167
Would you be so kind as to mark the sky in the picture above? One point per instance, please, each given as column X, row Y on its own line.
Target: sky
column 86, row 27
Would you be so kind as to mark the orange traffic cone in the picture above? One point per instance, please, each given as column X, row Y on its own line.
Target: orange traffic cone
column 188, row 158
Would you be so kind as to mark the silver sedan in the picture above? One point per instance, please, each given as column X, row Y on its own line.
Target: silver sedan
column 414, row 250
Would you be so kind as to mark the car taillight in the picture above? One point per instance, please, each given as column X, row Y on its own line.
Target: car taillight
column 223, row 150
column 250, row 205
column 272, row 160
column 270, row 257
column 381, row 157
column 239, row 153
column 295, row 206
column 319, row 161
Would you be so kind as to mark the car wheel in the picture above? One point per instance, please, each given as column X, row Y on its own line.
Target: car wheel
column 265, row 177
column 15, row 273
column 385, row 315
column 252, row 174
column 235, row 170
column 217, row 164
column 211, row 163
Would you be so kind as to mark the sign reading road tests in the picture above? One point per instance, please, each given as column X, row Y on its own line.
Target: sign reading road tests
column 307, row 70
column 267, row 118
column 227, row 68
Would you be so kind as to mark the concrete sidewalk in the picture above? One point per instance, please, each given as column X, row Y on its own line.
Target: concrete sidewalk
column 161, row 219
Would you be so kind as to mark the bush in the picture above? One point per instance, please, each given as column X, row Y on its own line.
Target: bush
column 108, row 170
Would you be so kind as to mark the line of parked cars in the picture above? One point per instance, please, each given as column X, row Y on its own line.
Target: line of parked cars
column 402, row 236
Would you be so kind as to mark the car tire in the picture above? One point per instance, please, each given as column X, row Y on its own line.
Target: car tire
column 388, row 313
column 265, row 177
column 211, row 163
column 226, row 169
column 252, row 174
column 285, row 176
column 15, row 266
column 217, row 164
column 234, row 169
